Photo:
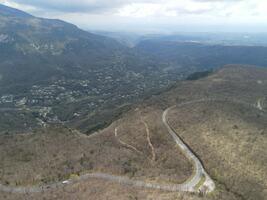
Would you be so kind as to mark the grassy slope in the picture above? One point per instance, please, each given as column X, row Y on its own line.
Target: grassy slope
column 231, row 141
column 55, row 153
column 229, row 138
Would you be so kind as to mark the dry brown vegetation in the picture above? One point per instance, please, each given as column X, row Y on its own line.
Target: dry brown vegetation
column 54, row 154
column 100, row 190
column 229, row 138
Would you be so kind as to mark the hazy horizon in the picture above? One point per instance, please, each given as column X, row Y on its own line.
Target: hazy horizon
column 158, row 16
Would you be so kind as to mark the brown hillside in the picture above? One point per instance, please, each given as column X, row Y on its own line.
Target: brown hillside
column 229, row 136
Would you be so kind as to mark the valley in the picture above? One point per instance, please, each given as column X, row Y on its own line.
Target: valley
column 122, row 116
column 52, row 72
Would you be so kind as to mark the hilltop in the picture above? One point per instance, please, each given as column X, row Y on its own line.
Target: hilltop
column 221, row 117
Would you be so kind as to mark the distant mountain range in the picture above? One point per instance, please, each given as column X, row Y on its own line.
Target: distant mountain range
column 188, row 54
column 36, row 49
column 85, row 79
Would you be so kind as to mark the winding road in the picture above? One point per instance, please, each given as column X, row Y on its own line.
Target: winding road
column 259, row 104
column 200, row 173
column 200, row 180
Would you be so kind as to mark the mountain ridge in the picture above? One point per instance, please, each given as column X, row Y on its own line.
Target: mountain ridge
column 7, row 11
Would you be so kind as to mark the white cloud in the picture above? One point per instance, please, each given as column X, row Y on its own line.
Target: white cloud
column 13, row 4
column 76, row 5
column 140, row 10
column 170, row 9
column 147, row 13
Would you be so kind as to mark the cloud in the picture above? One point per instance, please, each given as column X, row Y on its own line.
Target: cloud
column 100, row 5
column 77, row 5
column 70, row 5
column 172, row 9
column 147, row 13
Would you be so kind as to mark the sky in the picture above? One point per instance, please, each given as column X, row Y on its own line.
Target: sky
column 153, row 16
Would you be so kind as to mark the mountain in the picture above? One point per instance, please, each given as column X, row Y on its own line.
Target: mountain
column 127, row 39
column 53, row 72
column 197, row 55
column 83, row 116
column 39, row 48
column 54, row 65
column 213, row 38
column 11, row 12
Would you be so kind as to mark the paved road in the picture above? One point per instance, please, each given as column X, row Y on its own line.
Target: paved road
column 188, row 186
column 108, row 177
column 259, row 104
column 200, row 173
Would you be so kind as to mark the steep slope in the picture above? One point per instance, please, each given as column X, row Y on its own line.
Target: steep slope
column 8, row 12
column 35, row 48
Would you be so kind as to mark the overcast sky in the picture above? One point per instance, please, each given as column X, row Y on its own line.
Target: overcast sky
column 153, row 15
